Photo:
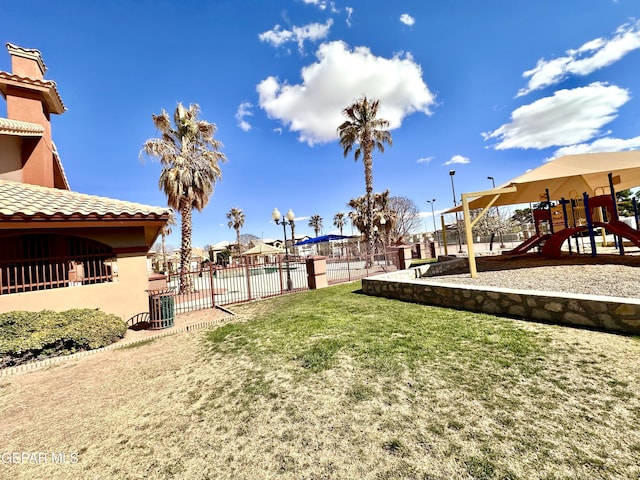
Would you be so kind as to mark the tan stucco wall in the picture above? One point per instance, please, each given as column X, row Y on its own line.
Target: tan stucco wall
column 124, row 297
column 28, row 107
column 10, row 158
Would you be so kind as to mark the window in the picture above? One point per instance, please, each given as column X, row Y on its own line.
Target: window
column 32, row 262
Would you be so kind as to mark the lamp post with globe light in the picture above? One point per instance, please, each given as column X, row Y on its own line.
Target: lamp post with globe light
column 433, row 217
column 288, row 220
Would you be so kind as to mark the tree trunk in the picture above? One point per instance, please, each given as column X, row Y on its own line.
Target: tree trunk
column 238, row 239
column 186, row 285
column 293, row 237
column 368, row 178
column 164, row 255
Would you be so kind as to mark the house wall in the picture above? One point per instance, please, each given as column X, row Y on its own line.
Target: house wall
column 38, row 156
column 10, row 158
column 124, row 297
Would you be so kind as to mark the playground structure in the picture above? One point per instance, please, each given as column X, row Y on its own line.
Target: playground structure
column 557, row 223
column 558, row 179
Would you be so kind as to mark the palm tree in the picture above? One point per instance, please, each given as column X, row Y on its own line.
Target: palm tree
column 190, row 158
column 293, row 235
column 358, row 213
column 339, row 221
column 316, row 223
column 367, row 132
column 236, row 221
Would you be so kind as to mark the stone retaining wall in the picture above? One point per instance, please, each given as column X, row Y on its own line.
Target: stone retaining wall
column 606, row 313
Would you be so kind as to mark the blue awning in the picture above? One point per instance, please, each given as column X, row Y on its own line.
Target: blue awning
column 321, row 239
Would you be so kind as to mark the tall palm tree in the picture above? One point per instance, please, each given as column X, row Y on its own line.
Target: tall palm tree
column 190, row 159
column 366, row 132
column 316, row 223
column 236, row 221
column 339, row 221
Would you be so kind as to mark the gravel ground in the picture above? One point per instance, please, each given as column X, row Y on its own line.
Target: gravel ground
column 609, row 275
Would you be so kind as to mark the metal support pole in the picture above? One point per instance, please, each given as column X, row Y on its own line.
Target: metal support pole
column 546, row 191
column 563, row 202
column 614, row 214
column 587, row 211
column 286, row 250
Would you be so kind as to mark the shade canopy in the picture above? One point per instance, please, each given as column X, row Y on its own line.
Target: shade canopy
column 263, row 249
column 321, row 239
column 567, row 177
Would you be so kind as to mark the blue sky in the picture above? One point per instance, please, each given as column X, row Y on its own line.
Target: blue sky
column 489, row 88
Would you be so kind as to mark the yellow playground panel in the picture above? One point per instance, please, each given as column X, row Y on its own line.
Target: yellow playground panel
column 576, row 215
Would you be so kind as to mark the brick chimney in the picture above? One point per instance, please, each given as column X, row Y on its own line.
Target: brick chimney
column 32, row 99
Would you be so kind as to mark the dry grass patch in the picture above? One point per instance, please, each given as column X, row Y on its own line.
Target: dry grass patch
column 332, row 384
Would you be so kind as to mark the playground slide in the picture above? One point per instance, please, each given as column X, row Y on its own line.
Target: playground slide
column 620, row 228
column 553, row 246
column 527, row 245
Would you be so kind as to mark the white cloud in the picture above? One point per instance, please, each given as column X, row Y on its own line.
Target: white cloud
column 606, row 144
column 349, row 11
column 278, row 36
column 425, row 160
column 313, row 108
column 591, row 56
column 568, row 117
column 407, row 19
column 321, row 4
column 244, row 110
column 457, row 159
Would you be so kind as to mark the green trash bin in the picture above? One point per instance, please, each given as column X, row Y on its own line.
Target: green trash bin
column 161, row 309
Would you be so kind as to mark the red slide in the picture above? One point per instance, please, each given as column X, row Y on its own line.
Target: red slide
column 528, row 244
column 620, row 228
column 553, row 246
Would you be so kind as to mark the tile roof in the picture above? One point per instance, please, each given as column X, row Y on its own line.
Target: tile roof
column 30, row 53
column 25, row 201
column 17, row 127
column 47, row 88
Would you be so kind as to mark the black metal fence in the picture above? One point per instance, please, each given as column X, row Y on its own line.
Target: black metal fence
column 350, row 268
column 214, row 285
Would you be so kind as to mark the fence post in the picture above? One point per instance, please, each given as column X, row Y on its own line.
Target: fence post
column 317, row 272
column 247, row 272
column 213, row 293
column 404, row 256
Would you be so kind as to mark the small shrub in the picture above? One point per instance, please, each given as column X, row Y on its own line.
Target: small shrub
column 27, row 336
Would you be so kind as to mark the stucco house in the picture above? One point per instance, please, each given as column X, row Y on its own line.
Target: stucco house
column 61, row 249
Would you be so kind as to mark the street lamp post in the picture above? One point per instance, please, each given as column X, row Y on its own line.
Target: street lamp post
column 455, row 204
column 433, row 217
column 288, row 220
column 493, row 183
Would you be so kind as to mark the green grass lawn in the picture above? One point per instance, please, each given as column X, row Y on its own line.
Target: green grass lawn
column 332, row 384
